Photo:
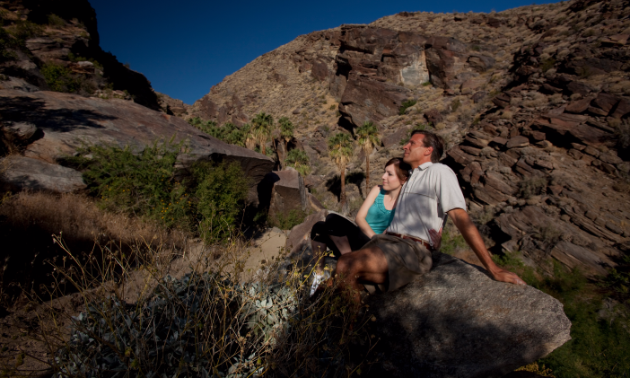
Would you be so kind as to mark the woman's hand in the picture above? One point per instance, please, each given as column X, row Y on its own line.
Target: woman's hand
column 436, row 238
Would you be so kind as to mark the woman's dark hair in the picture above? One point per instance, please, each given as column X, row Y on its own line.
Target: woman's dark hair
column 403, row 170
column 432, row 140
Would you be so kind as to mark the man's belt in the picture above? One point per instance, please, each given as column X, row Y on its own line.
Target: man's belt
column 423, row 242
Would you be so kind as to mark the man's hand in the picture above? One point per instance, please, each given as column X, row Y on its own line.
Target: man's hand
column 473, row 238
column 436, row 238
column 503, row 275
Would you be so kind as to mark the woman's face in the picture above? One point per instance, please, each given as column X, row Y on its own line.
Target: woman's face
column 390, row 179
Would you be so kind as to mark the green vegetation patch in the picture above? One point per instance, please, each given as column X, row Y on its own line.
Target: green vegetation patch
column 61, row 79
column 405, row 105
column 600, row 345
column 207, row 201
column 54, row 20
column 227, row 133
column 288, row 221
column 299, row 160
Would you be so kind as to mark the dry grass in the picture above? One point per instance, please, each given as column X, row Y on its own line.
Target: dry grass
column 28, row 221
column 535, row 99
column 78, row 218
column 270, row 326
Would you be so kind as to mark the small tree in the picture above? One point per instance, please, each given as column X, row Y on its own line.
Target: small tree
column 368, row 138
column 286, row 132
column 298, row 159
column 262, row 125
column 340, row 151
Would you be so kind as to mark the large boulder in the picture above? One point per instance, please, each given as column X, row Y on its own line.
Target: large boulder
column 288, row 193
column 457, row 322
column 299, row 237
column 23, row 173
column 68, row 122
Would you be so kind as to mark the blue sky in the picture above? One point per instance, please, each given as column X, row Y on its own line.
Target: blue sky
column 186, row 47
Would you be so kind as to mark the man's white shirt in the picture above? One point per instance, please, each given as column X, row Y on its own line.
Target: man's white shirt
column 431, row 192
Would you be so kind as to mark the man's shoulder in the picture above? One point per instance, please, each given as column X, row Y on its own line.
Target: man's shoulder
column 440, row 168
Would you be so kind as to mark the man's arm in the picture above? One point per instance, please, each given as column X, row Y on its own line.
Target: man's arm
column 473, row 238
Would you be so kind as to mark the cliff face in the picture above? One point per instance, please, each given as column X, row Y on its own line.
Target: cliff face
column 533, row 103
column 54, row 45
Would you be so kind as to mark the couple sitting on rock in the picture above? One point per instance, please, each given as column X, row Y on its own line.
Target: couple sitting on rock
column 399, row 226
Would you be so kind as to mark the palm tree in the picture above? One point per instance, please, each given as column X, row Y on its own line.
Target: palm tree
column 286, row 132
column 368, row 139
column 298, row 159
column 340, row 151
column 250, row 139
column 261, row 128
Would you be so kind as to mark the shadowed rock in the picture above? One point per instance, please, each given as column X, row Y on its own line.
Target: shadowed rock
column 457, row 322
column 67, row 122
column 32, row 174
column 288, row 193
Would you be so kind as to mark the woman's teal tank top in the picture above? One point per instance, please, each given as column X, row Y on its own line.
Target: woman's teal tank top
column 378, row 217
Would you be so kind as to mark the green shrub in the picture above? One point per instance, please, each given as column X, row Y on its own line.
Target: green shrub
column 288, row 221
column 141, row 183
column 23, row 30
column 54, row 20
column 452, row 240
column 405, row 105
column 60, row 78
column 532, row 187
column 145, row 184
column 227, row 133
column 299, row 160
column 220, row 197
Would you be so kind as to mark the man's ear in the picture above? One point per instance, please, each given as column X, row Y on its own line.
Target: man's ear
column 428, row 151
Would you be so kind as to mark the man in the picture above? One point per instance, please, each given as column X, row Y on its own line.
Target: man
column 392, row 260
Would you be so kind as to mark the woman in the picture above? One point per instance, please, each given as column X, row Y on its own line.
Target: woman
column 342, row 236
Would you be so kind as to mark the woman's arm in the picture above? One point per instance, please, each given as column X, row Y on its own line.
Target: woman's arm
column 363, row 210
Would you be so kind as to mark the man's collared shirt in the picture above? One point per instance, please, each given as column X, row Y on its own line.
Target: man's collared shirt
column 431, row 191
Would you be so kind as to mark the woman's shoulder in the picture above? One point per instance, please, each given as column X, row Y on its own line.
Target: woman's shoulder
column 373, row 195
column 377, row 189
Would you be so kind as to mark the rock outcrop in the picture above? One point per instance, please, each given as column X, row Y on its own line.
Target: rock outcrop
column 533, row 103
column 288, row 193
column 457, row 322
column 71, row 43
column 65, row 122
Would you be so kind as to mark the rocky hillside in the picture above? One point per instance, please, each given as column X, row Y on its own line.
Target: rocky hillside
column 533, row 103
column 54, row 45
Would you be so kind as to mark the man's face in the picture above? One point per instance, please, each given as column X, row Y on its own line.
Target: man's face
column 415, row 151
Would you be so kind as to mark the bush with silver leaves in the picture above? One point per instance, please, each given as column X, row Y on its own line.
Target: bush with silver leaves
column 199, row 325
